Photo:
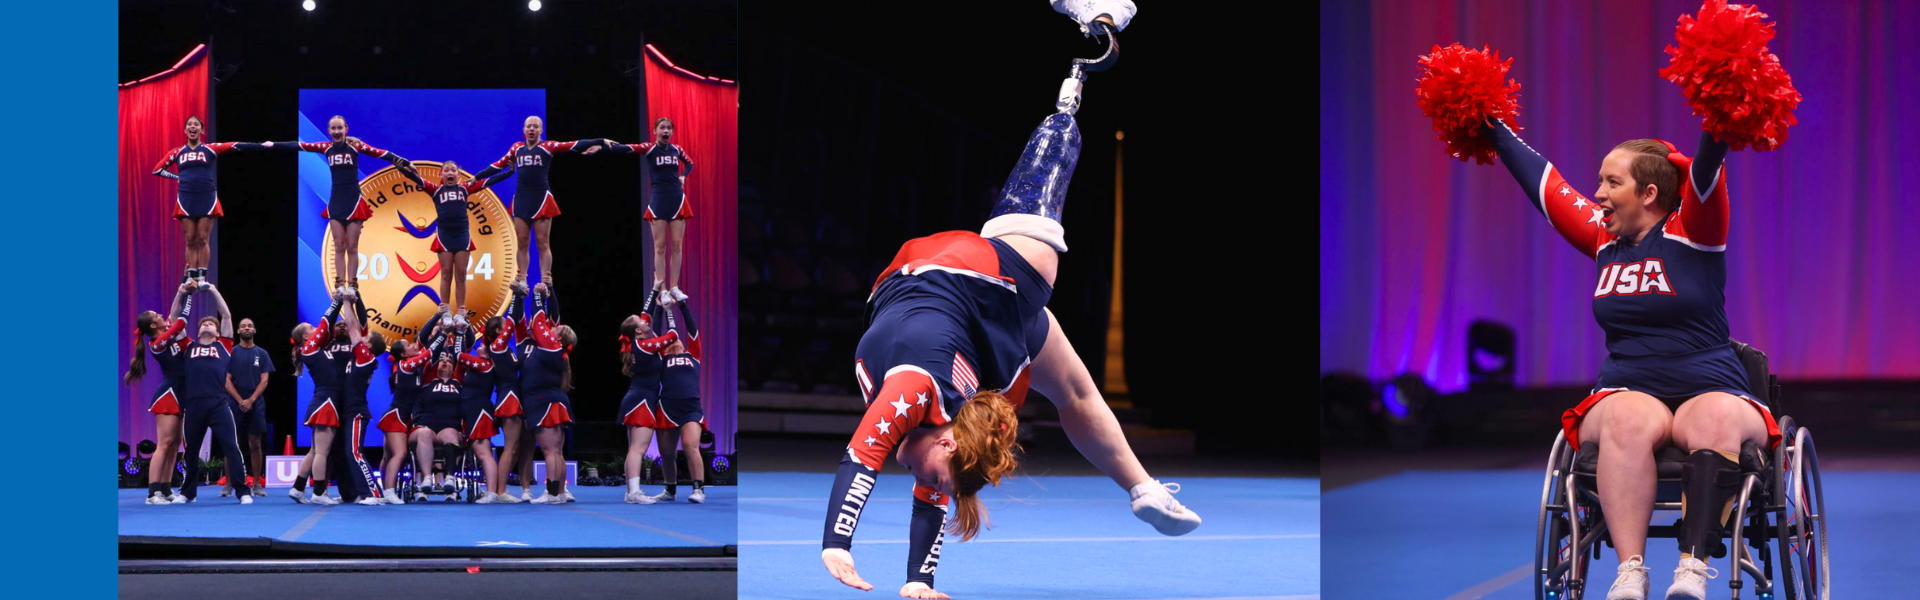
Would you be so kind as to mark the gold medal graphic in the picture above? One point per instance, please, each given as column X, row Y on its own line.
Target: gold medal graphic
column 399, row 274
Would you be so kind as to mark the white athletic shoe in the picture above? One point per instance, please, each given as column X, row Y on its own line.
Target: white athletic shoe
column 507, row 499
column 260, row 491
column 323, row 500
column 297, row 495
column 663, row 497
column 1631, row 583
column 698, row 496
column 246, row 498
column 1153, row 502
column 639, row 498
column 419, row 497
column 370, row 501
column 487, row 498
column 158, row 499
column 566, row 495
column 1690, row 580
column 549, row 499
column 677, row 296
column 178, row 498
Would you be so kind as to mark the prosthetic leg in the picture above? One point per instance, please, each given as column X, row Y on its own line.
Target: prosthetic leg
column 1709, row 485
column 1031, row 201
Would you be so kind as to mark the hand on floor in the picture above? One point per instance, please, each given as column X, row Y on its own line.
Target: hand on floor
column 840, row 564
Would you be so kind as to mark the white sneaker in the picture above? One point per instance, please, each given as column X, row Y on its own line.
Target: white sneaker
column 566, row 495
column 639, row 498
column 246, row 498
column 677, row 296
column 419, row 497
column 158, row 499
column 323, row 500
column 549, row 499
column 297, row 495
column 1153, row 502
column 1631, row 583
column 370, row 501
column 698, row 496
column 488, row 498
column 178, row 498
column 1690, row 580
column 525, row 496
column 507, row 499
column 663, row 497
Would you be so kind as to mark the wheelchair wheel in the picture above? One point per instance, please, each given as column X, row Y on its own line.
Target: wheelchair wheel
column 1554, row 545
column 1803, row 529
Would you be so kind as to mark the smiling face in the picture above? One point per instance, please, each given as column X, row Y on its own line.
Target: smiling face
column 194, row 127
column 927, row 453
column 449, row 173
column 1624, row 202
column 337, row 127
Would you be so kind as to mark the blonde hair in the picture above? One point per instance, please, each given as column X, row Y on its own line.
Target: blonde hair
column 986, row 434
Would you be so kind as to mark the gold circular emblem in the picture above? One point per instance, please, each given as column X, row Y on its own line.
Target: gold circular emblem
column 399, row 273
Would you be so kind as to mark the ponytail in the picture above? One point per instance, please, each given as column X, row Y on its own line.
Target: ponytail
column 138, row 368
column 986, row 434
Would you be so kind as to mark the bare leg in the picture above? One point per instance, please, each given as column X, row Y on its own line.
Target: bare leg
column 678, row 228
column 637, row 440
column 338, row 230
column 257, row 457
column 1630, row 426
column 483, row 450
column 1090, row 424
column 306, row 465
column 1715, row 421
column 203, row 237
column 690, row 442
column 446, row 282
column 552, row 439
column 525, row 457
column 322, row 443
column 660, row 239
column 543, row 231
column 166, row 450
column 188, row 246
column 510, row 454
column 460, row 282
column 422, row 456
column 353, row 251
column 520, row 232
column 396, row 455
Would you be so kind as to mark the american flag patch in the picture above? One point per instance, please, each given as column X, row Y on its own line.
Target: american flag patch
column 963, row 376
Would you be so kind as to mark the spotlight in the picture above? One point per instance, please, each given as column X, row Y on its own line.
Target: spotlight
column 307, row 5
column 721, row 464
column 534, row 5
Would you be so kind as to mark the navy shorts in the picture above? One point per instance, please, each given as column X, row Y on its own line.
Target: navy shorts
column 681, row 411
column 250, row 422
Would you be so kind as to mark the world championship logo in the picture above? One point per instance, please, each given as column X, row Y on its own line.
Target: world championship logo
column 399, row 273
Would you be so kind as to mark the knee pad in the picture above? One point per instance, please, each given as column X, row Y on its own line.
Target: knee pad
column 1709, row 483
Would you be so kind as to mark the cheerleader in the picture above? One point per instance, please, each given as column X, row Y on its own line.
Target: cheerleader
column 452, row 241
column 313, row 354
column 346, row 210
column 680, row 416
column 205, row 405
column 642, row 360
column 667, row 206
column 165, row 339
column 533, row 205
column 197, row 203
column 545, row 376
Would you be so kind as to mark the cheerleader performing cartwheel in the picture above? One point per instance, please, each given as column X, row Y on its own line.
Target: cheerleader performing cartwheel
column 1656, row 227
column 958, row 330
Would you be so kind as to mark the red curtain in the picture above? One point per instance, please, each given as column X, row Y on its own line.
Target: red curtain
column 153, row 113
column 704, row 113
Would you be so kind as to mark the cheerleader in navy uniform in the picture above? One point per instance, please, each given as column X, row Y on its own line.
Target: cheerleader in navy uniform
column 442, row 409
column 533, row 204
column 477, row 423
column 346, row 210
column 545, row 376
column 205, row 404
column 641, row 358
column 667, row 208
column 680, row 416
column 407, row 362
column 499, row 333
column 166, row 340
column 452, row 240
column 197, row 204
column 357, row 483
column 313, row 353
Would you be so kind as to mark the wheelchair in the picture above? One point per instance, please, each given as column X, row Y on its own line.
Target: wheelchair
column 1780, row 501
column 457, row 461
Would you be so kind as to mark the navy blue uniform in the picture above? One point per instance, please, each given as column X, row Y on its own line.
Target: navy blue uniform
column 680, row 380
column 953, row 314
column 405, row 385
column 1662, row 302
column 249, row 364
column 169, row 349
column 506, row 373
column 543, row 362
column 532, row 196
column 346, row 461
column 476, row 396
column 669, row 164
column 344, row 202
column 439, row 404
column 321, row 364
column 199, row 174
column 450, row 209
column 206, row 408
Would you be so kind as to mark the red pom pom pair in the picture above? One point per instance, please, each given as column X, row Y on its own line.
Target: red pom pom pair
column 1460, row 90
column 1723, row 67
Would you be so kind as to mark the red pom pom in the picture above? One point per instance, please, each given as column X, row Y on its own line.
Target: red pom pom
column 1723, row 66
column 1460, row 90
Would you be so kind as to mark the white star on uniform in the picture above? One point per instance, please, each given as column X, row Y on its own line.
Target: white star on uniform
column 1595, row 218
column 1579, row 201
column 870, row 441
column 1564, row 191
column 883, row 425
column 923, row 398
column 933, row 496
column 900, row 406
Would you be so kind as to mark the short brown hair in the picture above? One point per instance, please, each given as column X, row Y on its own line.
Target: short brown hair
column 986, row 433
column 1651, row 167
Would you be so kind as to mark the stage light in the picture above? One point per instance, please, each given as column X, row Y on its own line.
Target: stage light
column 307, row 5
column 721, row 464
column 534, row 5
column 145, row 447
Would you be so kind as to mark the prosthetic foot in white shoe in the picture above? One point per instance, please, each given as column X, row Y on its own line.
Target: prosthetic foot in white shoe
column 1690, row 580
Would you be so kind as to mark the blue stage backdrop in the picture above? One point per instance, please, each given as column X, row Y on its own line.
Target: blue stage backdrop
column 473, row 128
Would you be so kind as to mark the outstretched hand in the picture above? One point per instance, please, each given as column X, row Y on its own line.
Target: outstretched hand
column 593, row 149
column 915, row 589
column 840, row 565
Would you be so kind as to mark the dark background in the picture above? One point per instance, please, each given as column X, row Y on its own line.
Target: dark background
column 902, row 121
column 586, row 54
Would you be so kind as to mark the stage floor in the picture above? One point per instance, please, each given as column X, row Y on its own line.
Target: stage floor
column 1052, row 537
column 599, row 519
column 1465, row 535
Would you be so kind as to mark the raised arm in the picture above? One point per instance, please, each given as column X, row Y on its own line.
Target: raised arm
column 1703, row 216
column 1566, row 209
column 573, row 146
column 220, row 308
column 182, row 302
